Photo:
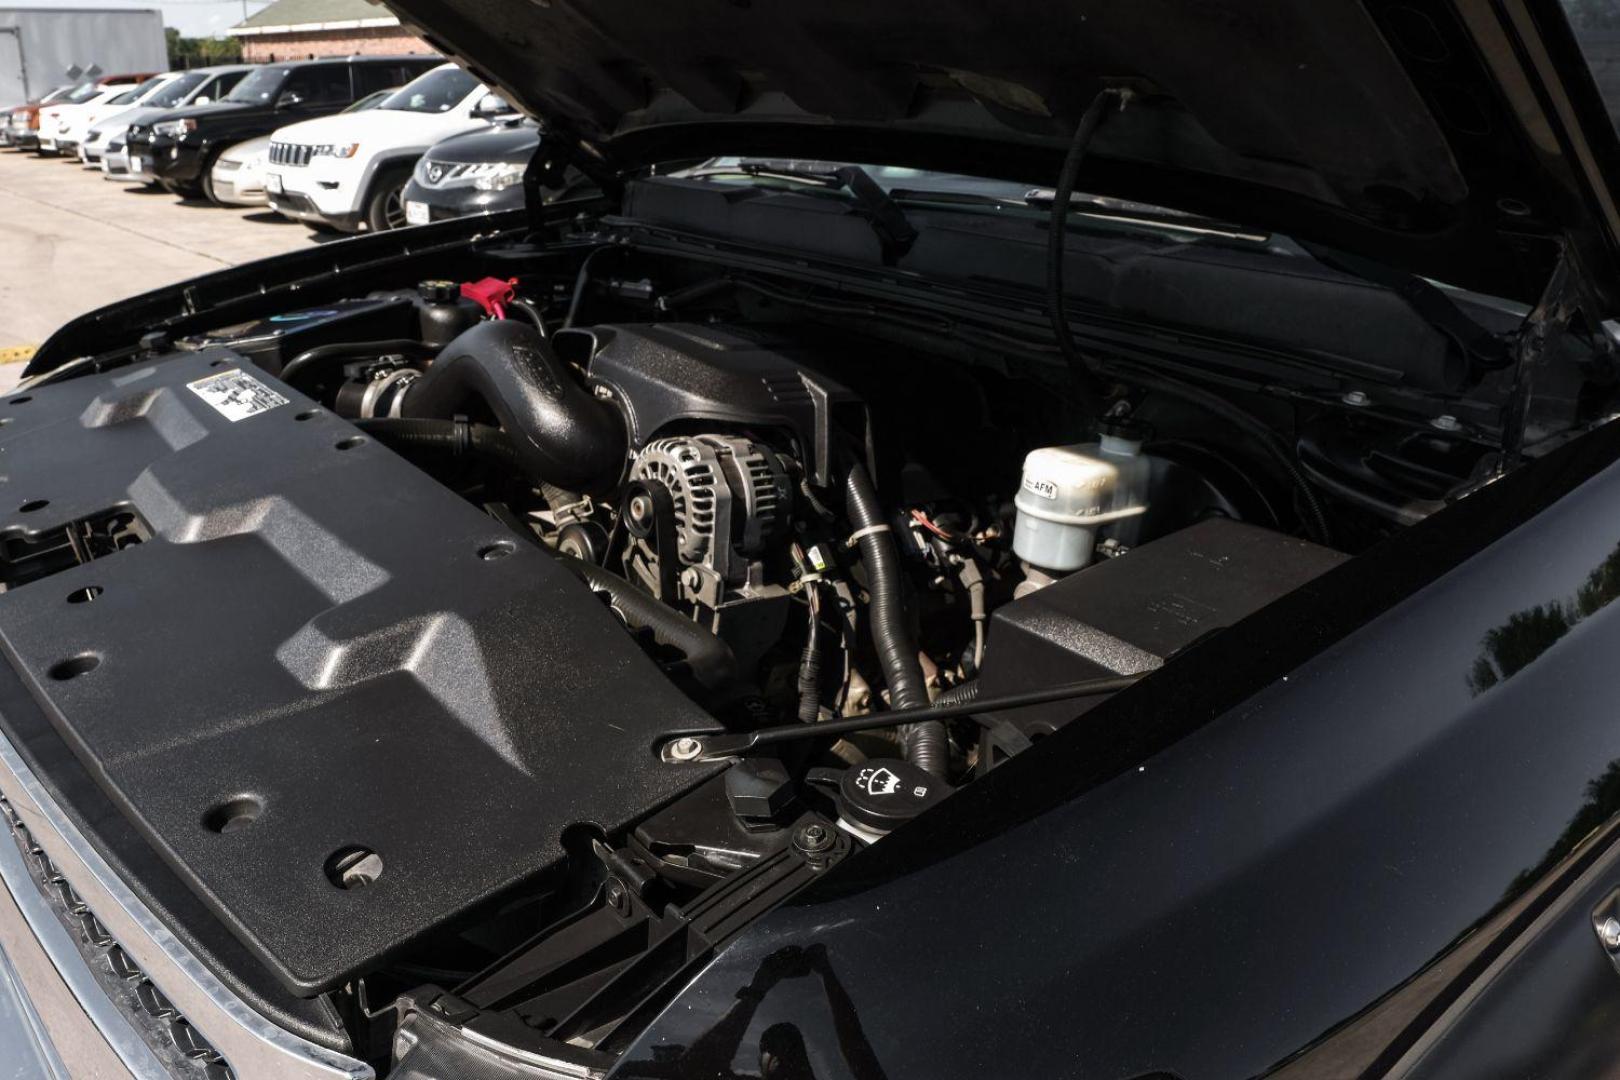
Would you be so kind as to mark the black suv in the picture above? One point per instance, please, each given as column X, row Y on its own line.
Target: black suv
column 178, row 148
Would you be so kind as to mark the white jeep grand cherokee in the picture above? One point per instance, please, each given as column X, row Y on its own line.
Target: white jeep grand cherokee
column 349, row 170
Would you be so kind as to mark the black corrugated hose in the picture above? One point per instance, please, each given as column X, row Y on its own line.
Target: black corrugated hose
column 453, row 437
column 710, row 660
column 925, row 743
column 1057, row 232
column 810, row 659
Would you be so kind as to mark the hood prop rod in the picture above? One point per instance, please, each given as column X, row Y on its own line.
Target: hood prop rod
column 714, row 746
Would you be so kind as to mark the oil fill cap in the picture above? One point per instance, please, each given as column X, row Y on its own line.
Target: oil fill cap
column 883, row 793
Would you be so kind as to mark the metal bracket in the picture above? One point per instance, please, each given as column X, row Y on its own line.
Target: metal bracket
column 547, row 168
column 1538, row 336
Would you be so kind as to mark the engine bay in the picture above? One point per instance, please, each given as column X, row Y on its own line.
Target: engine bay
column 547, row 626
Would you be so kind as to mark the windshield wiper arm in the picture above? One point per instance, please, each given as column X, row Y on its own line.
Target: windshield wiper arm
column 894, row 230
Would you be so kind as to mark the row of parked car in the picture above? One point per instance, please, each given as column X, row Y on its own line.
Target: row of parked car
column 354, row 143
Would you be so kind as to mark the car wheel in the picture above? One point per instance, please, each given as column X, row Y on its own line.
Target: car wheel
column 207, row 185
column 385, row 207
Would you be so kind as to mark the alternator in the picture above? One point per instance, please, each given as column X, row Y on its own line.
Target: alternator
column 730, row 496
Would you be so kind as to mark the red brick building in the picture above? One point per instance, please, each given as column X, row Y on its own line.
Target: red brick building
column 300, row 29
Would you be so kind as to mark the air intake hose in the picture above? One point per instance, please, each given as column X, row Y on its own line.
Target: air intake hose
column 711, row 662
column 924, row 742
column 562, row 435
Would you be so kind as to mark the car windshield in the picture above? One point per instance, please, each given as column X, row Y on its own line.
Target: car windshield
column 136, row 93
column 440, row 90
column 82, row 93
column 372, row 100
column 970, row 193
column 177, row 90
column 260, row 87
column 126, row 98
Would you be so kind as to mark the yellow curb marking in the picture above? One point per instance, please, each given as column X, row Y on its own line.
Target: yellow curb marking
column 16, row 354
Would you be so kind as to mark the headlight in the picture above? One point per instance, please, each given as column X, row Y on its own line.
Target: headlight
column 175, row 129
column 344, row 150
column 499, row 178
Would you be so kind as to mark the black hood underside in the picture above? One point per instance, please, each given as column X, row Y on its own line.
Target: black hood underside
column 1378, row 128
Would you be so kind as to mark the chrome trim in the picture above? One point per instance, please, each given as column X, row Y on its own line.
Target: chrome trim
column 556, row 1069
column 24, row 1042
column 252, row 1045
column 52, row 936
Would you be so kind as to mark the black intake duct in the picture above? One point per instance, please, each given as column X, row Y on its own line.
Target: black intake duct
column 562, row 435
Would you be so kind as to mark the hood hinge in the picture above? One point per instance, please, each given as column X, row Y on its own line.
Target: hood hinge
column 548, row 168
column 1566, row 294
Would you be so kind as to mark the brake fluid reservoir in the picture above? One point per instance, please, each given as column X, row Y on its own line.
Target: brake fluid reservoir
column 1069, row 492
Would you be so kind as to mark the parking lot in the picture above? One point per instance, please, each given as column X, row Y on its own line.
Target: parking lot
column 71, row 241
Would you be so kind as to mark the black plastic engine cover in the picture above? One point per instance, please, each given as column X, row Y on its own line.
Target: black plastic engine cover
column 320, row 646
column 1128, row 615
column 667, row 372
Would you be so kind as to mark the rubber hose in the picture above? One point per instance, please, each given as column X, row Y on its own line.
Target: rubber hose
column 563, row 435
column 533, row 314
column 960, row 694
column 925, row 743
column 810, row 663
column 448, row 436
column 321, row 355
column 1058, row 230
column 1315, row 518
column 711, row 662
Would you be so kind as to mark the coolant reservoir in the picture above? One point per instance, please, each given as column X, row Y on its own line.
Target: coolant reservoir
column 1069, row 492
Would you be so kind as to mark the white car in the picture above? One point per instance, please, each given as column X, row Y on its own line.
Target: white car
column 349, row 170
column 199, row 86
column 237, row 178
column 53, row 118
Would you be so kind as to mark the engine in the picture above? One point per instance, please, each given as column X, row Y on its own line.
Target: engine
column 871, row 572
column 718, row 482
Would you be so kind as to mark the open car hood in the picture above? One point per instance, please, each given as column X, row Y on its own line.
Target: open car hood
column 1424, row 135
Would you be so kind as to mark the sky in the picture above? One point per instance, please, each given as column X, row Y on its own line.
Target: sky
column 193, row 18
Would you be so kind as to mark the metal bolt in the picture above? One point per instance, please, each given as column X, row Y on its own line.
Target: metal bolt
column 602, row 393
column 813, row 838
column 1609, row 933
column 685, row 748
column 1357, row 398
column 1446, row 423
column 615, row 894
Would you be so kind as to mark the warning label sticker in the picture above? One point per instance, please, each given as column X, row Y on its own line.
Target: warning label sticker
column 236, row 395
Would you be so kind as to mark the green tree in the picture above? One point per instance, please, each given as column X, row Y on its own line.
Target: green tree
column 190, row 52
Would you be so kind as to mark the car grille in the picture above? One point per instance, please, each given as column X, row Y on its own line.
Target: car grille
column 294, row 154
column 176, row 1042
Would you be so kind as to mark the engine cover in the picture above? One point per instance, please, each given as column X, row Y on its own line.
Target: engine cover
column 668, row 372
column 279, row 646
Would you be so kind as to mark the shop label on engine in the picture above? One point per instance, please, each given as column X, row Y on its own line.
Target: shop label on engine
column 236, row 395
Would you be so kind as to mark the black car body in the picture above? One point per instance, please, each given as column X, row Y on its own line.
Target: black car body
column 480, row 172
column 177, row 148
column 1119, row 583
